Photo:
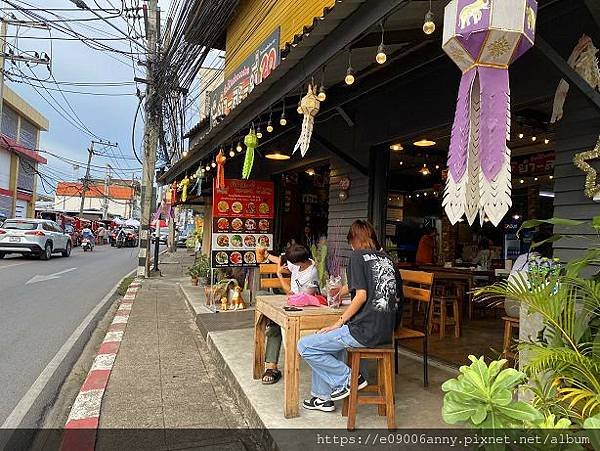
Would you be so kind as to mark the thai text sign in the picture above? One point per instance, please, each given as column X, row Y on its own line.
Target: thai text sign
column 244, row 79
column 242, row 219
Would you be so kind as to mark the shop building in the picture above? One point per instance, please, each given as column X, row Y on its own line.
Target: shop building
column 19, row 155
column 379, row 146
column 117, row 199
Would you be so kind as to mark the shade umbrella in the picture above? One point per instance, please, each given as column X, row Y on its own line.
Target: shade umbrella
column 132, row 223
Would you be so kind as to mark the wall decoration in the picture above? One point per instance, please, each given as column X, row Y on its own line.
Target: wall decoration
column 309, row 107
column 220, row 179
column 243, row 212
column 242, row 81
column 583, row 59
column 251, row 141
column 592, row 189
column 483, row 37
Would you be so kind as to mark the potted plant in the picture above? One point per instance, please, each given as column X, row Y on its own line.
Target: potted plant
column 203, row 266
column 194, row 272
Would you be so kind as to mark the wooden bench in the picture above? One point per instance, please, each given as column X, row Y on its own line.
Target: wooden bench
column 268, row 276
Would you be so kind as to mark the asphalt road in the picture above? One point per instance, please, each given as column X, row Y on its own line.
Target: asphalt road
column 39, row 313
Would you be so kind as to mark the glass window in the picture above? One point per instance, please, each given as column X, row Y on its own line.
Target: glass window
column 19, row 225
column 57, row 228
column 48, row 226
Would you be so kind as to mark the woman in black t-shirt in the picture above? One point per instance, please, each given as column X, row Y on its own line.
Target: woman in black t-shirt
column 375, row 288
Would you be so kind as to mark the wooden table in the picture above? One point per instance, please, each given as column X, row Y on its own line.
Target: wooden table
column 292, row 324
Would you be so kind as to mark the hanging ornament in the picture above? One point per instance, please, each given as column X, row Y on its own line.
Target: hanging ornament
column 174, row 193
column 591, row 190
column 251, row 141
column 199, row 176
column 220, row 169
column 483, row 37
column 309, row 107
column 185, row 183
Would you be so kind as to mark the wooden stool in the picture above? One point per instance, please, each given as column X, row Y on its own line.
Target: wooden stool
column 439, row 311
column 385, row 399
column 510, row 322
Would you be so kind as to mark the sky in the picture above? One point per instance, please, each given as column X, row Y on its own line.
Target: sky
column 109, row 117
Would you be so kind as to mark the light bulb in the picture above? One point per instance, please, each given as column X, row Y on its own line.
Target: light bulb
column 213, row 164
column 521, row 135
column 349, row 76
column 231, row 153
column 258, row 133
column 429, row 25
column 185, row 153
column 283, row 121
column 203, row 171
column 381, row 57
column 239, row 147
column 270, row 127
column 322, row 95
column 546, row 141
column 207, row 168
column 534, row 138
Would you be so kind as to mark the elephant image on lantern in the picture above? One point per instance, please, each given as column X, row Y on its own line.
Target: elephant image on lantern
column 473, row 11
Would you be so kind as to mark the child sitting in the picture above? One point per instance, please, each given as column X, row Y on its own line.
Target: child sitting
column 304, row 279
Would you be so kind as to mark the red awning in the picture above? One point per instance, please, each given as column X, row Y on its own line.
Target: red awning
column 13, row 146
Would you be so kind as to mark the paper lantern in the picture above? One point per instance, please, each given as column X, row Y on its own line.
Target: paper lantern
column 483, row 37
column 251, row 141
column 220, row 169
column 309, row 107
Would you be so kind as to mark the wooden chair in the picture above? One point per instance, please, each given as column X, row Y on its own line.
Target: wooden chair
column 268, row 277
column 446, row 294
column 384, row 396
column 416, row 286
column 510, row 323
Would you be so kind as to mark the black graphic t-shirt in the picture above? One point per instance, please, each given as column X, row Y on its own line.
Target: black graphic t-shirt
column 374, row 271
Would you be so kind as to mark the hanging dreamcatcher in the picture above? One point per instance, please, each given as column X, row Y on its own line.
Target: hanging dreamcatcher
column 483, row 37
column 309, row 107
column 220, row 179
column 251, row 141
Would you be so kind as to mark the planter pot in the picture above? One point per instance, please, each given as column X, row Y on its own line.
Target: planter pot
column 195, row 281
column 512, row 307
column 202, row 280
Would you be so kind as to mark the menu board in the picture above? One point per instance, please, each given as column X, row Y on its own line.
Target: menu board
column 242, row 219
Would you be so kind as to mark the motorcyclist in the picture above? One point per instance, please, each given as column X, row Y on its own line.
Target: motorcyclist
column 86, row 233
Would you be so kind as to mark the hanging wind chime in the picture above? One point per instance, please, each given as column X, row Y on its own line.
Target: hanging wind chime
column 251, row 141
column 309, row 107
column 483, row 37
column 220, row 179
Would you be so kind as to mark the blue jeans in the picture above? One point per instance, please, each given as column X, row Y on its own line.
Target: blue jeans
column 326, row 355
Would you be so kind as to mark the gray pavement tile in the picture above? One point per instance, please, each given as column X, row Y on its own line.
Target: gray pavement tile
column 128, row 395
column 191, row 415
column 131, row 440
column 135, row 417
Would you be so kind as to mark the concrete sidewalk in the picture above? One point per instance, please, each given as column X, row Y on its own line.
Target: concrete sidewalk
column 164, row 378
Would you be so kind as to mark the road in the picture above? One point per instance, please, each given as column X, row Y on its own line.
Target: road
column 38, row 313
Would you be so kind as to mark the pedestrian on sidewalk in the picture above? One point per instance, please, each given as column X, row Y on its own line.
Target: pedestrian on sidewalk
column 376, row 291
column 101, row 232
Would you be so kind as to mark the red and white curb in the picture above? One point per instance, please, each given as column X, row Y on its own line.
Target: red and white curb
column 85, row 412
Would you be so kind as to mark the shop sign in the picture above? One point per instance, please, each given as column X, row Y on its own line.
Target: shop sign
column 536, row 164
column 242, row 219
column 244, row 79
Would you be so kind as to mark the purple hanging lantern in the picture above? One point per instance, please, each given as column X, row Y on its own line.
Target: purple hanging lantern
column 483, row 37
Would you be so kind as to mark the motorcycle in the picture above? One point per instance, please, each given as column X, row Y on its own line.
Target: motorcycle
column 87, row 245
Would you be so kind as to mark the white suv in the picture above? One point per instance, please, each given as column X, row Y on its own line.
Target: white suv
column 34, row 237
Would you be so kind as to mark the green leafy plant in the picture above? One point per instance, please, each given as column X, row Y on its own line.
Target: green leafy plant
column 567, row 350
column 482, row 397
column 203, row 265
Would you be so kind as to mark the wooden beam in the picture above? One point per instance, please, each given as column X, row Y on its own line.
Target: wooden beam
column 340, row 153
column 569, row 74
column 594, row 7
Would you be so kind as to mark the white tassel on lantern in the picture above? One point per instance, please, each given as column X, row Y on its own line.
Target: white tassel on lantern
column 309, row 107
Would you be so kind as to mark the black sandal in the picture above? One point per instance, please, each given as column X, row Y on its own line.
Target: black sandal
column 275, row 375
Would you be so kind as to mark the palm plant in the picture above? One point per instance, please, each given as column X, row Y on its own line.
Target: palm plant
column 567, row 351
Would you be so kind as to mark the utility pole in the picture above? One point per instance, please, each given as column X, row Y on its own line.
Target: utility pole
column 106, row 192
column 152, row 110
column 86, row 178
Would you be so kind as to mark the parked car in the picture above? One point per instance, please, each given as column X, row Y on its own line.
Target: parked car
column 40, row 237
column 74, row 234
column 164, row 236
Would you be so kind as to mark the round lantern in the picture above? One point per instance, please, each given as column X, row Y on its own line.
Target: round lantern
column 483, row 37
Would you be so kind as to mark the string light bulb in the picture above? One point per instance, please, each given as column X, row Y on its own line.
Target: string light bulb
column 283, row 120
column 231, row 153
column 185, row 153
column 521, row 135
column 259, row 132
column 239, row 147
column 429, row 24
column 349, row 79
column 207, row 168
column 322, row 95
column 381, row 57
column 213, row 165
column 270, row 126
